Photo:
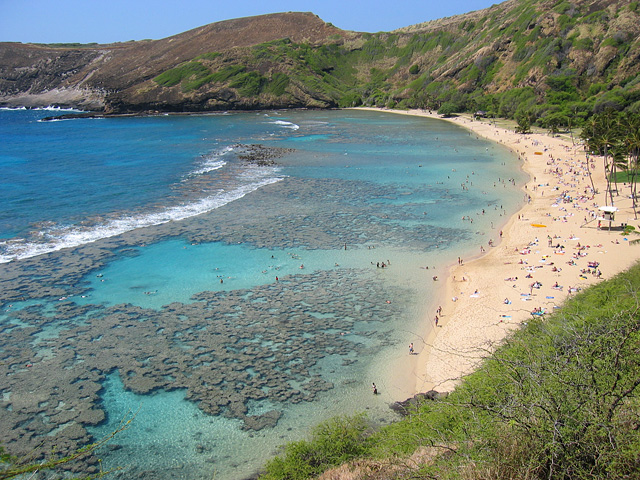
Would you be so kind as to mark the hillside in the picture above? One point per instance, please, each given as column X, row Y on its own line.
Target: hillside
column 90, row 75
column 538, row 58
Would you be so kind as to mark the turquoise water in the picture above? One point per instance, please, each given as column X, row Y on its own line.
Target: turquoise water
column 148, row 267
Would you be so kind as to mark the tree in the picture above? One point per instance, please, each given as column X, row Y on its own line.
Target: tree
column 630, row 126
column 553, row 122
column 447, row 109
column 601, row 135
column 524, row 125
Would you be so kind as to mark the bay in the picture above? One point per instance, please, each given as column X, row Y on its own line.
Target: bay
column 149, row 267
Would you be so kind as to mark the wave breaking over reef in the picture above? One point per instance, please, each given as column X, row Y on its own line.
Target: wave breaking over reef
column 257, row 170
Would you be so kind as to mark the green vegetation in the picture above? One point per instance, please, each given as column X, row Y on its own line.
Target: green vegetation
column 332, row 443
column 226, row 73
column 524, row 125
column 248, row 84
column 176, row 75
column 616, row 136
column 510, row 63
column 447, row 109
column 208, row 56
column 559, row 400
column 278, row 84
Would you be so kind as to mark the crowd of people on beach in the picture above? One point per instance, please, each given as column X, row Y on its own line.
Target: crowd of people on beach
column 561, row 200
column 562, row 203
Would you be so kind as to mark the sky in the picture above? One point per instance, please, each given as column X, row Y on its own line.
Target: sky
column 107, row 21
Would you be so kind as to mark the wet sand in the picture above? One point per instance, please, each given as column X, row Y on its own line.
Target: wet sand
column 550, row 249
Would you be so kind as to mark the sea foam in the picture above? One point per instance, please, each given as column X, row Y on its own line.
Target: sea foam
column 211, row 162
column 285, row 124
column 50, row 108
column 59, row 237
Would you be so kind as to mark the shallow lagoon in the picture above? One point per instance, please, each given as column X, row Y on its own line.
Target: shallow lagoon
column 223, row 373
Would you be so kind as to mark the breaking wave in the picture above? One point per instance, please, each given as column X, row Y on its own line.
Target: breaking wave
column 285, row 124
column 58, row 237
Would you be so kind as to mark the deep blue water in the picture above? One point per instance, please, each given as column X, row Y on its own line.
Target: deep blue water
column 145, row 260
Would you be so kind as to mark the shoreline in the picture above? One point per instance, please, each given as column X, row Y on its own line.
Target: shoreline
column 550, row 249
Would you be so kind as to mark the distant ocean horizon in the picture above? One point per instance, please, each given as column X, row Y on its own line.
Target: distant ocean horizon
column 232, row 295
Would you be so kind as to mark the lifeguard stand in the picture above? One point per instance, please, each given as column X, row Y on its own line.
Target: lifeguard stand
column 608, row 214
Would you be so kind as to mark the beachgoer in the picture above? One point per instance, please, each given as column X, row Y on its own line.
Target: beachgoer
column 374, row 388
column 411, row 348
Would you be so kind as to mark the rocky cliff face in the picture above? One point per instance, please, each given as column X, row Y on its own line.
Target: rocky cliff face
column 33, row 76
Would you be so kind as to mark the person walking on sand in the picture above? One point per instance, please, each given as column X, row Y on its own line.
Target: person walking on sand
column 374, row 388
column 411, row 348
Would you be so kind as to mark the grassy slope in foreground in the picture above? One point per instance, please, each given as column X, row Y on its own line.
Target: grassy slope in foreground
column 558, row 400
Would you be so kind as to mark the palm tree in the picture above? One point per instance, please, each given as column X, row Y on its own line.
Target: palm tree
column 588, row 133
column 606, row 138
column 630, row 128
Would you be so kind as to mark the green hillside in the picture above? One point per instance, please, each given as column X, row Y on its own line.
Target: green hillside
column 548, row 60
column 544, row 60
column 559, row 400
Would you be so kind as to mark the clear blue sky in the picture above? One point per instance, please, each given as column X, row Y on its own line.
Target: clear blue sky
column 106, row 21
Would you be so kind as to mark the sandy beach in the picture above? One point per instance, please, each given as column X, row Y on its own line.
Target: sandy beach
column 550, row 249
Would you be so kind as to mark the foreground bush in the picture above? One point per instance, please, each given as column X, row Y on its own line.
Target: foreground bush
column 332, row 443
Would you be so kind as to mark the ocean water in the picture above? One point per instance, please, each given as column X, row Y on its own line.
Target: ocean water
column 148, row 267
